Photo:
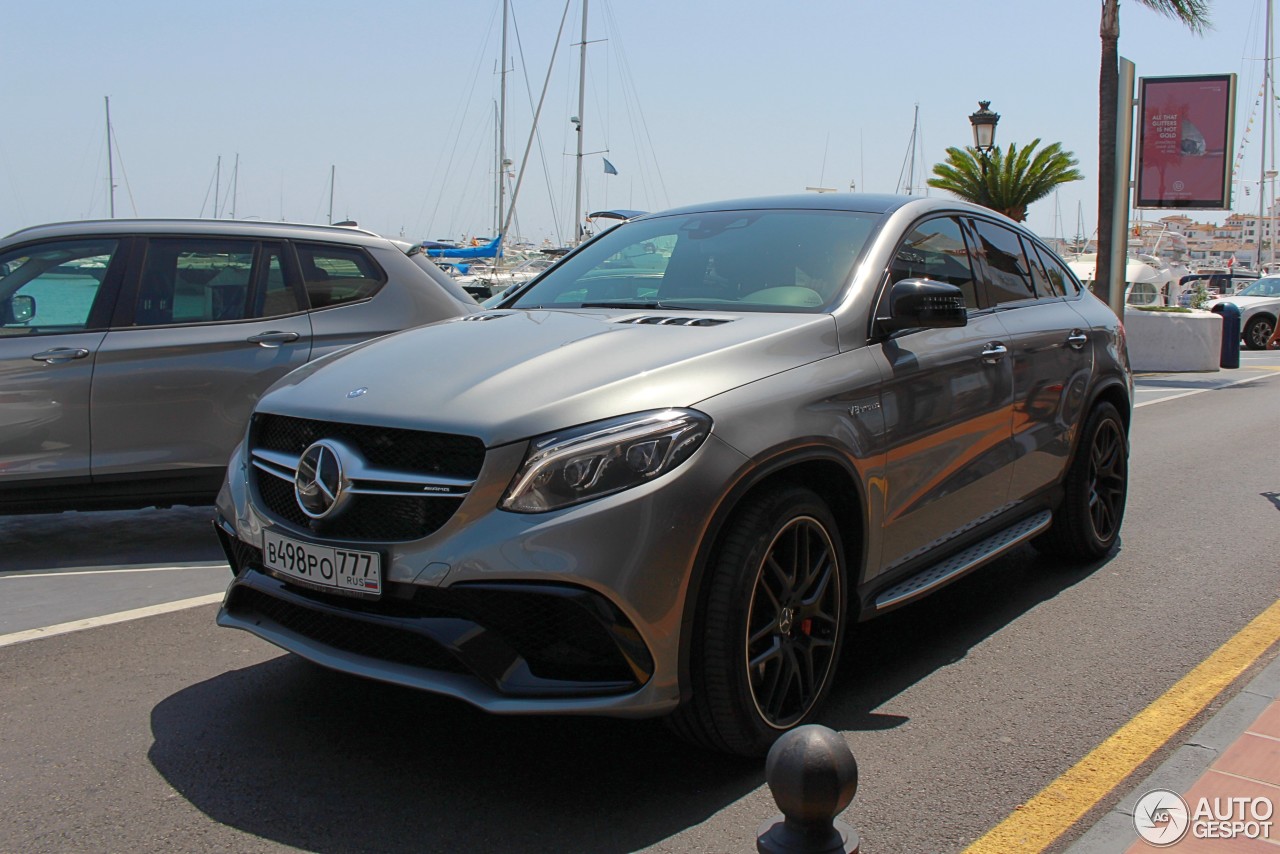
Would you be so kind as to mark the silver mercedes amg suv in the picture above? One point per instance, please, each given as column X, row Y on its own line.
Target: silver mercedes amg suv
column 663, row 478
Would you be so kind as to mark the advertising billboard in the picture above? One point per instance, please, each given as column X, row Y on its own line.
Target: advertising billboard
column 1185, row 142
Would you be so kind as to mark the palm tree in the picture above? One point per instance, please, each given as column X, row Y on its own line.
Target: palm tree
column 1193, row 13
column 1006, row 182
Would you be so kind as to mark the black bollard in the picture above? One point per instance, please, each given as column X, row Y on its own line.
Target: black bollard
column 813, row 777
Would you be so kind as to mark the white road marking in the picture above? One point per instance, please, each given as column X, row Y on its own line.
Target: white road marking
column 108, row 619
column 78, row 572
column 1198, row 390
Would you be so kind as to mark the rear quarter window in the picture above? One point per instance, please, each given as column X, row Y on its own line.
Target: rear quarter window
column 336, row 275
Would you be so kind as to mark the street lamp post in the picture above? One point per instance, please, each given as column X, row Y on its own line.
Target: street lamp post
column 984, row 131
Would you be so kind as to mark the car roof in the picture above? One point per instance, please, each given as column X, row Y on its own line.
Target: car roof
column 857, row 202
column 203, row 227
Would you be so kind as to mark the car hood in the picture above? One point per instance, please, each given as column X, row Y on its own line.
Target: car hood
column 504, row 376
column 1242, row 302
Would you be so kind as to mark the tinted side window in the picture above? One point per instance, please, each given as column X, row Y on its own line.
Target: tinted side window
column 1058, row 273
column 935, row 249
column 52, row 287
column 1045, row 287
column 337, row 274
column 1008, row 275
column 194, row 280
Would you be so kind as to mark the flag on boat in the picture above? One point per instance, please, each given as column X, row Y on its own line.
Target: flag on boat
column 609, row 167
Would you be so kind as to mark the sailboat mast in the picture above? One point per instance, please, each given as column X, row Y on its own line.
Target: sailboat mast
column 582, row 93
column 1268, row 92
column 333, row 169
column 111, row 175
column 217, row 181
column 502, row 122
column 1262, row 149
column 235, row 185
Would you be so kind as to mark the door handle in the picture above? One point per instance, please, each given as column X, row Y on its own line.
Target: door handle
column 59, row 355
column 1077, row 339
column 994, row 352
column 273, row 339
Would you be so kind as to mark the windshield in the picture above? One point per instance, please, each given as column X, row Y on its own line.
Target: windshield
column 765, row 260
column 1268, row 287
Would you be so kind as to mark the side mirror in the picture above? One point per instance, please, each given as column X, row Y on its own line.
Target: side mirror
column 20, row 309
column 924, row 304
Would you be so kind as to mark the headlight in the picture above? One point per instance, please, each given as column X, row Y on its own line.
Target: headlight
column 603, row 458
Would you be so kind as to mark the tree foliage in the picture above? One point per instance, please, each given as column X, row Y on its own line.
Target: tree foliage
column 1010, row 181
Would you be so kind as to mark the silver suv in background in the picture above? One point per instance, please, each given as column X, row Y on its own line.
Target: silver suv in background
column 132, row 351
column 664, row 478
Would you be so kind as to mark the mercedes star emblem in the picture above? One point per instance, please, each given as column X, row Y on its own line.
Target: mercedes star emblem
column 319, row 485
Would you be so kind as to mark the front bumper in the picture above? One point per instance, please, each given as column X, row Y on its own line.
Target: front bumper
column 578, row 611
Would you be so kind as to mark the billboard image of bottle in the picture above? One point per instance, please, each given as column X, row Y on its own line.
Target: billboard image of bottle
column 1185, row 142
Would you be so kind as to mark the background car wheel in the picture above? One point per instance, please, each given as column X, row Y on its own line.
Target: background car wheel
column 772, row 620
column 1086, row 523
column 1257, row 332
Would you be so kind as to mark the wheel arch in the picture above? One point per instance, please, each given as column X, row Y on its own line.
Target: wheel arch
column 821, row 468
column 1115, row 392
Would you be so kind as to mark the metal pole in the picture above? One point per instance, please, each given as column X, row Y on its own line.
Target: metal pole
column 111, row 176
column 235, row 185
column 1120, row 204
column 582, row 92
column 217, row 179
column 332, row 172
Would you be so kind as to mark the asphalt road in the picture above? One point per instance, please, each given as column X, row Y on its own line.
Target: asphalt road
column 168, row 734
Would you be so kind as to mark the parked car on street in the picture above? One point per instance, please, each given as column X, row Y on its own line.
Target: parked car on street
column 133, row 351
column 668, row 489
column 1215, row 284
column 1259, row 305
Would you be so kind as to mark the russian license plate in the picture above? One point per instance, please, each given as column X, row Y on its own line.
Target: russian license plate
column 343, row 570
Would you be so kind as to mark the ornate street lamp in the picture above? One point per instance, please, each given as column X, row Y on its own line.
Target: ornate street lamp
column 984, row 128
column 984, row 131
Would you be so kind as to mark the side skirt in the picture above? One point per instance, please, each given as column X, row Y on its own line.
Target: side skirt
column 932, row 577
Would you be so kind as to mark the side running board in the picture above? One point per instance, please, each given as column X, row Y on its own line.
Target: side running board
column 958, row 564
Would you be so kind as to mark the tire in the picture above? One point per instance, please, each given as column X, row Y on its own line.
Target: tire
column 1258, row 331
column 771, row 622
column 1086, row 522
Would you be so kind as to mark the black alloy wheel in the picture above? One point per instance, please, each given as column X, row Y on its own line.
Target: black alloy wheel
column 794, row 622
column 1108, row 479
column 770, row 625
column 1086, row 522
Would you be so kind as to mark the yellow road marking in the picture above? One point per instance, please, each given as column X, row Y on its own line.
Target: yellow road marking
column 1062, row 803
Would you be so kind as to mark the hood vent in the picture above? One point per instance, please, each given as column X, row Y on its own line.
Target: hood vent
column 670, row 320
column 488, row 315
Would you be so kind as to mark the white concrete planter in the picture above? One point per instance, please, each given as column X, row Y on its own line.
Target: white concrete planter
column 1173, row 341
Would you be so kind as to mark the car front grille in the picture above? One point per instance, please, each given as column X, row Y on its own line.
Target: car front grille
column 382, row 509
column 391, row 447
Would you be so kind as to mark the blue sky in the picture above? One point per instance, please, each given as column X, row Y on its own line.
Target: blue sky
column 693, row 101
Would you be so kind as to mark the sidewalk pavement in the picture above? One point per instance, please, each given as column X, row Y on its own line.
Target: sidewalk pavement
column 1236, row 754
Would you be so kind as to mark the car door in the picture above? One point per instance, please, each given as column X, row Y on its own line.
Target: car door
column 55, row 301
column 947, row 401
column 207, row 326
column 1050, row 352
